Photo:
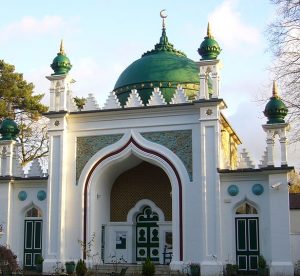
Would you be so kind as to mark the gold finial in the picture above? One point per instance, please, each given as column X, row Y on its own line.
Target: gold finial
column 61, row 49
column 163, row 16
column 275, row 89
column 209, row 31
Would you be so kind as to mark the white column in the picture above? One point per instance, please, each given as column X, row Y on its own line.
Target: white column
column 203, row 83
column 283, row 151
column 9, row 159
column 270, row 151
column 215, row 81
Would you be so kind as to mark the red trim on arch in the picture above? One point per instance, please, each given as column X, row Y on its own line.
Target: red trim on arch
column 148, row 151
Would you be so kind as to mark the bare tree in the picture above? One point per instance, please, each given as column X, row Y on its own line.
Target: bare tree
column 33, row 138
column 284, row 38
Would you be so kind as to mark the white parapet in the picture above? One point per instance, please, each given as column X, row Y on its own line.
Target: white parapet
column 91, row 103
column 35, row 169
column 179, row 97
column 112, row 101
column 156, row 98
column 245, row 161
column 134, row 99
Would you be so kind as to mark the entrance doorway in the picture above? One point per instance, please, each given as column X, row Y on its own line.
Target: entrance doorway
column 247, row 238
column 147, row 235
column 33, row 229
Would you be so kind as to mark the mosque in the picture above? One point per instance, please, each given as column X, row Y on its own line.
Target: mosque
column 154, row 174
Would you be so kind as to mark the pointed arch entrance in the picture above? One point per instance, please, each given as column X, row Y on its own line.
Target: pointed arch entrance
column 33, row 227
column 107, row 163
column 247, row 237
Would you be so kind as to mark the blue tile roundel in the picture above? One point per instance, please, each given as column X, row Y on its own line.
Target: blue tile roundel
column 233, row 190
column 41, row 195
column 257, row 189
column 22, row 195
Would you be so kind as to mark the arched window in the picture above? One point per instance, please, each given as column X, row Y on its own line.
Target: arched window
column 245, row 208
column 33, row 213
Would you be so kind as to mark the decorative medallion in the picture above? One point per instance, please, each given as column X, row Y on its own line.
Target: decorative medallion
column 41, row 195
column 233, row 190
column 257, row 189
column 22, row 195
column 209, row 112
column 56, row 123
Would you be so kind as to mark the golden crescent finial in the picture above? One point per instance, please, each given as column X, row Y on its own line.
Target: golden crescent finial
column 163, row 16
column 61, row 49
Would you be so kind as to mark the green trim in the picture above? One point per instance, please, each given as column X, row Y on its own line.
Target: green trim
column 88, row 146
column 179, row 142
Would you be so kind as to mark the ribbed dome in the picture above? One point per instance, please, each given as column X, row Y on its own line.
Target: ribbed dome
column 275, row 109
column 9, row 129
column 61, row 63
column 209, row 48
column 163, row 67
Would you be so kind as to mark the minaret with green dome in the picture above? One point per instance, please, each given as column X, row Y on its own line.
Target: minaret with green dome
column 60, row 88
column 209, row 48
column 276, row 127
column 275, row 109
column 9, row 159
column 9, row 130
column 61, row 63
column 209, row 67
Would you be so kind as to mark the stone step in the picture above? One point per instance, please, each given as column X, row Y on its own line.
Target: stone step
column 131, row 269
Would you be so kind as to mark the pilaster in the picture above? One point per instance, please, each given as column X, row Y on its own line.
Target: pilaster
column 210, row 133
column 279, row 236
column 56, row 189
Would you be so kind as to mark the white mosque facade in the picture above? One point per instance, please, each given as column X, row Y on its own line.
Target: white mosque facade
column 154, row 173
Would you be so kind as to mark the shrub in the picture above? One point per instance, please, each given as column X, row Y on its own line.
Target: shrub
column 8, row 257
column 39, row 259
column 81, row 268
column 148, row 268
column 262, row 262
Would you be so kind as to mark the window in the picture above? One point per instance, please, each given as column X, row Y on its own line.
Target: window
column 33, row 213
column 245, row 208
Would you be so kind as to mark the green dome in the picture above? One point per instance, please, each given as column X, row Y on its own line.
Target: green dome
column 163, row 67
column 275, row 109
column 9, row 129
column 61, row 63
column 209, row 48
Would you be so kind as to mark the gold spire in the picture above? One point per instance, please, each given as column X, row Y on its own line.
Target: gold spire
column 163, row 16
column 209, row 31
column 61, row 49
column 275, row 89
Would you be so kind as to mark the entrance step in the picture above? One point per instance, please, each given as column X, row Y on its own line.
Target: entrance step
column 132, row 269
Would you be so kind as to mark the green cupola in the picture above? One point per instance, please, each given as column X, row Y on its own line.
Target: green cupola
column 163, row 67
column 9, row 129
column 61, row 64
column 275, row 109
column 209, row 48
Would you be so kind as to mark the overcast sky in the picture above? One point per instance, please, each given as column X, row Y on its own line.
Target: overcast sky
column 102, row 38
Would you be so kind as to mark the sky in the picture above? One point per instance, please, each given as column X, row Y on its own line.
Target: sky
column 102, row 38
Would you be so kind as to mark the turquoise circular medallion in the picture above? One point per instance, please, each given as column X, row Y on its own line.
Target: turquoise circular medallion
column 233, row 190
column 41, row 195
column 22, row 195
column 257, row 189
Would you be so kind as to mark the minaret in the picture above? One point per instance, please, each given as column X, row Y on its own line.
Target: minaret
column 276, row 111
column 209, row 66
column 9, row 148
column 60, row 89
